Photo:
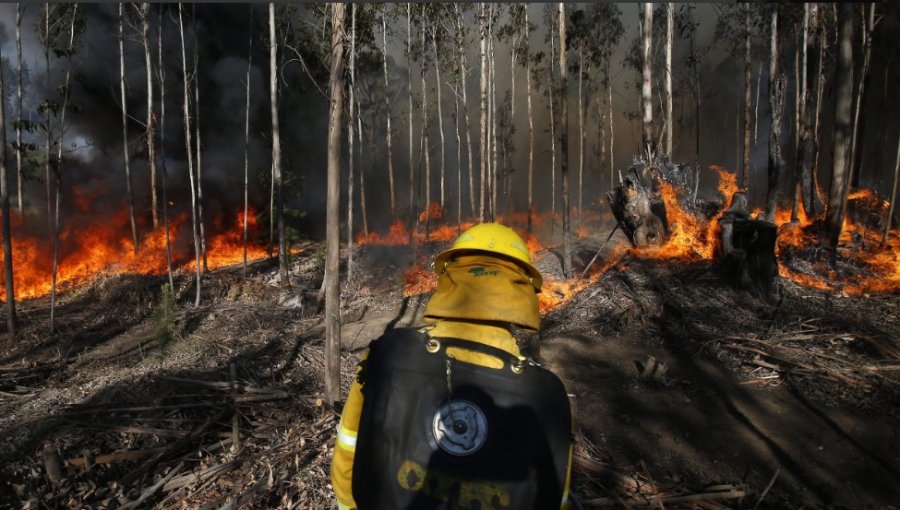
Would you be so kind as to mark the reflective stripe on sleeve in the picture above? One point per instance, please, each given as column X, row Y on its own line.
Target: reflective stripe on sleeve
column 342, row 506
column 346, row 438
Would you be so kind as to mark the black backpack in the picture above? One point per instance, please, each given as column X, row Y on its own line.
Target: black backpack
column 438, row 433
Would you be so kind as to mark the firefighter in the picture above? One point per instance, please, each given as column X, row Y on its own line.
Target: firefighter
column 451, row 415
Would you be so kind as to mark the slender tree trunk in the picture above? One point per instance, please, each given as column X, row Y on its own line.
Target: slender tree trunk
column 459, row 167
column 855, row 141
column 843, row 104
column 801, row 170
column 492, row 112
column 670, row 36
column 19, row 11
column 483, row 141
column 776, row 105
column 49, row 134
column 817, row 204
column 465, row 106
column 609, row 117
column 186, row 111
column 128, row 186
column 550, row 86
column 200, row 223
column 580, row 134
column 332, row 246
column 697, row 99
column 748, row 86
column 350, row 132
column 276, row 150
column 247, row 138
column 7, row 230
column 530, row 131
column 437, row 70
column 58, row 172
column 362, row 172
column 564, row 140
column 412, row 207
column 647, row 78
column 151, row 155
column 425, row 148
column 892, row 199
column 387, row 114
column 161, row 75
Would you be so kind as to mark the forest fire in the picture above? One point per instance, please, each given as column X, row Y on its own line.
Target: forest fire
column 103, row 248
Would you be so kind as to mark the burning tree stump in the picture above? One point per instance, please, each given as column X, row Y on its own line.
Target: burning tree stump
column 637, row 203
column 748, row 249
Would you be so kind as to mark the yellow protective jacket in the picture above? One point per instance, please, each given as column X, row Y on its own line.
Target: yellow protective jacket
column 345, row 445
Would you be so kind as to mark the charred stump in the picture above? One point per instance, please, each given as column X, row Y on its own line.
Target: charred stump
column 748, row 249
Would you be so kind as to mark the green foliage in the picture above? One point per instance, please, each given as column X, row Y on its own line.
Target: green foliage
column 165, row 318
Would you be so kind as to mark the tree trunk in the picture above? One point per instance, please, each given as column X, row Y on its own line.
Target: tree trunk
column 332, row 247
column 362, row 173
column 49, row 138
column 801, row 170
column 7, row 230
column 646, row 92
column 855, row 140
column 437, row 70
column 151, row 155
column 247, row 139
column 19, row 10
column 609, row 117
column 842, row 118
column 580, row 135
column 776, row 106
column 564, row 140
column 483, row 136
column 186, row 112
column 161, row 75
column 276, row 150
column 200, row 223
column 350, row 132
column 492, row 113
column 128, row 187
column 58, row 172
column 670, row 36
column 412, row 209
column 424, row 145
column 530, row 131
column 456, row 123
column 550, row 87
column 465, row 107
column 387, row 114
column 817, row 205
column 748, row 81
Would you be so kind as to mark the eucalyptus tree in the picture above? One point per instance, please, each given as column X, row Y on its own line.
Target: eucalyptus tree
column 144, row 15
column 7, row 231
column 776, row 107
column 332, row 242
column 564, row 139
column 196, row 79
column 351, row 85
column 186, row 117
column 124, row 99
column 59, row 36
column 606, row 21
column 647, row 76
column 843, row 104
column 387, row 110
column 161, row 153
column 867, row 25
column 20, row 71
column 247, row 135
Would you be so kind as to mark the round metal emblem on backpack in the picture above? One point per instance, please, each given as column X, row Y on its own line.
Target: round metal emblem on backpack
column 460, row 427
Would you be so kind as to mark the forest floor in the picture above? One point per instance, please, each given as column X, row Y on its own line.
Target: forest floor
column 686, row 393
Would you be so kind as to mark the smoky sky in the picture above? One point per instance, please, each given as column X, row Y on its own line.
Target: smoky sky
column 224, row 33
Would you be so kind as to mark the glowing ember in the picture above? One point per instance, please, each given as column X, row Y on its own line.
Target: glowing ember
column 106, row 248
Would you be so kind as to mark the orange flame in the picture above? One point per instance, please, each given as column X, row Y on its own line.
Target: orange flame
column 103, row 248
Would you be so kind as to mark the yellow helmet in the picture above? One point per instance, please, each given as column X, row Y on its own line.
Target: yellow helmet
column 492, row 238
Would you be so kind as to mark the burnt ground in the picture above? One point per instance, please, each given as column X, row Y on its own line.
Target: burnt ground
column 687, row 393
